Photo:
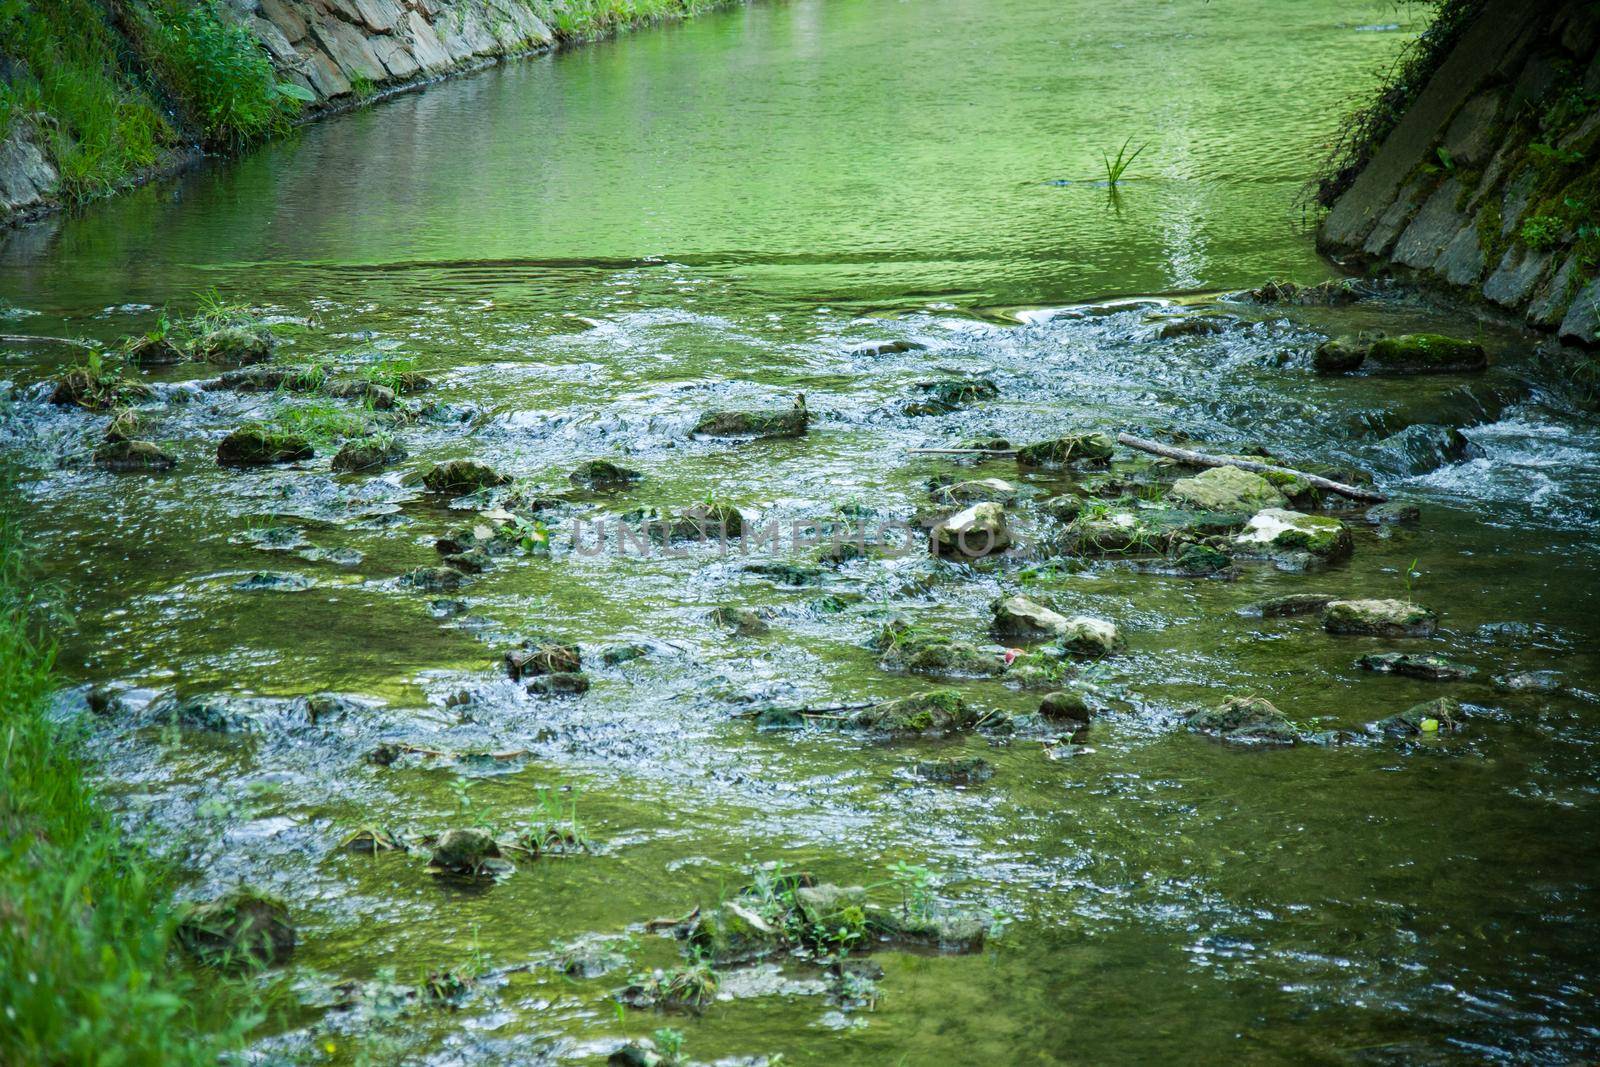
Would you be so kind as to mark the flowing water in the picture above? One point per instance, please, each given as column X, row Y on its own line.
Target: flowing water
column 587, row 250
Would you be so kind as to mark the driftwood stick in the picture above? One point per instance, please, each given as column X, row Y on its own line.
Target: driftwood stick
column 963, row 451
column 30, row 338
column 1200, row 459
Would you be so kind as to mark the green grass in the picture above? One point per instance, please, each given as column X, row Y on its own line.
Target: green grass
column 1116, row 167
column 584, row 19
column 99, row 125
column 86, row 971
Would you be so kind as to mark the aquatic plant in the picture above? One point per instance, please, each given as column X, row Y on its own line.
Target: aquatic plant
column 1116, row 167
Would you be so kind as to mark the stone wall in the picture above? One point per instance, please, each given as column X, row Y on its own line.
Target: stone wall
column 343, row 52
column 1490, row 182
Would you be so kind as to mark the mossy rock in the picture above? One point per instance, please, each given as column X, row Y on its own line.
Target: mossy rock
column 152, row 351
column 790, row 423
column 1291, row 605
column 937, row 711
column 472, row 561
column 534, row 659
column 945, row 395
column 976, row 491
column 1275, row 531
column 707, row 522
column 734, row 932
column 955, row 770
column 124, row 455
column 1196, row 560
column 603, row 475
column 1067, row 450
column 944, row 928
column 234, row 343
column 97, row 389
column 1426, row 353
column 1065, row 707
column 434, row 579
column 559, row 684
column 463, row 851
column 259, row 446
column 1227, row 489
column 1440, row 716
column 741, row 622
column 1340, row 355
column 372, row 452
column 1427, row 666
column 1046, row 668
column 1018, row 618
column 376, row 395
column 462, row 476
column 1247, row 721
column 919, row 653
column 243, row 928
column 1379, row 618
column 261, row 379
column 980, row 530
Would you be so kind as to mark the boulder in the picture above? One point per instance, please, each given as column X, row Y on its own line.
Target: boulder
column 1245, row 720
column 1393, row 513
column 1017, row 617
column 980, row 530
column 1274, row 531
column 1379, row 618
column 741, row 622
column 1085, row 635
column 920, row 653
column 242, row 928
column 259, row 446
column 1530, row 682
column 1067, row 450
column 463, row 851
column 96, row 387
column 603, row 475
column 127, row 455
column 369, row 453
column 734, row 932
column 1425, row 353
column 1421, row 448
column 434, row 579
column 1227, row 489
column 710, row 521
column 1427, row 666
column 462, row 476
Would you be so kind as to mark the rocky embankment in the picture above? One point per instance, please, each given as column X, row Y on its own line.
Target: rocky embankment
column 1488, row 183
column 339, row 54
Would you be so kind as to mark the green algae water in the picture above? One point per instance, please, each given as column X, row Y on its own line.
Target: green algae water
column 587, row 251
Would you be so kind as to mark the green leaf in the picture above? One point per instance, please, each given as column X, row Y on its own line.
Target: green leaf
column 297, row 92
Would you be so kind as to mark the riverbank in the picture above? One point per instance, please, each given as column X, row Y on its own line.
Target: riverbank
column 86, row 972
column 97, row 98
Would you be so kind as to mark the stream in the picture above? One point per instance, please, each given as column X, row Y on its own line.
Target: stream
column 585, row 252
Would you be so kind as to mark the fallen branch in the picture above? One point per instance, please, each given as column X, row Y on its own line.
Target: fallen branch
column 963, row 451
column 1200, row 459
column 827, row 711
column 30, row 338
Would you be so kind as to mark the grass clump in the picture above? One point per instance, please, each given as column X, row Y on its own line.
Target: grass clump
column 219, row 70
column 583, row 19
column 86, row 974
column 98, row 125
column 1118, row 165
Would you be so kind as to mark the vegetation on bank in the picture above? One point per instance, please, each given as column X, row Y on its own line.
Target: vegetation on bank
column 86, row 973
column 1367, row 126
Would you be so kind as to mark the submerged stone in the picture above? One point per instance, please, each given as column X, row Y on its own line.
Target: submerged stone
column 967, row 770
column 920, row 653
column 977, row 491
column 1067, row 450
column 242, row 928
column 273, row 581
column 741, row 622
column 264, row 379
column 884, row 348
column 1201, row 560
column 1423, row 447
column 259, row 446
column 950, row 394
column 152, row 350
column 1283, row 607
column 378, row 397
column 124, row 455
column 603, row 475
column 1427, row 666
column 1531, row 682
column 1425, row 353
column 1393, row 513
column 462, row 476
column 1065, row 707
column 1379, row 618
column 434, row 579
column 1017, row 617
column 1245, row 720
column 1227, row 489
